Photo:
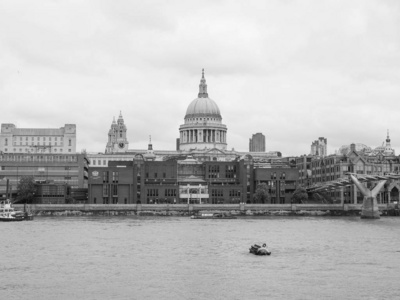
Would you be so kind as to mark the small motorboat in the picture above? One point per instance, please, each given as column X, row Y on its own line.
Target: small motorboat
column 260, row 250
column 213, row 216
column 9, row 214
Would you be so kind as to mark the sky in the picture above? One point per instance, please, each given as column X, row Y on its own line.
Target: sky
column 293, row 70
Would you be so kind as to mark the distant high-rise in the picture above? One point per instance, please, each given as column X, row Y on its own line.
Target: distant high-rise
column 319, row 147
column 257, row 143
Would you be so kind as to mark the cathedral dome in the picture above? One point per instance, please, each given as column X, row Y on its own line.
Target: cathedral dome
column 202, row 107
column 203, row 128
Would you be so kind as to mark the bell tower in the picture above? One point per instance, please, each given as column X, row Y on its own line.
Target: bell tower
column 117, row 141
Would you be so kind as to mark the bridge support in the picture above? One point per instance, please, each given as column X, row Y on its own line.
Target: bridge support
column 370, row 208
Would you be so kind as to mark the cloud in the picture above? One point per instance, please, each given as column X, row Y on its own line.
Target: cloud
column 294, row 70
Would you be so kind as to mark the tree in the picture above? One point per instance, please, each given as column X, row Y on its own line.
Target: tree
column 26, row 188
column 299, row 195
column 261, row 195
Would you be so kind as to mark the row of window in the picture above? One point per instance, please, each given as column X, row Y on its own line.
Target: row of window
column 282, row 176
column 38, row 138
column 106, row 200
column 114, row 176
column 32, row 143
column 164, row 175
column 167, row 193
column 41, row 158
column 32, row 140
column 22, row 169
column 42, row 149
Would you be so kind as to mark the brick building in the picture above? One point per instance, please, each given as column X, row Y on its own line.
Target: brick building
column 187, row 180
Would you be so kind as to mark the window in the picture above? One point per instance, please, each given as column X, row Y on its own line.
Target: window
column 230, row 171
column 115, row 176
column 105, row 176
column 217, row 193
column 152, row 192
column 69, row 142
column 170, row 193
column 213, row 171
column 94, row 200
column 234, row 193
column 105, row 189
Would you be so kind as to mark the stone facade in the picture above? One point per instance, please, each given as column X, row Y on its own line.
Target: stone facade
column 319, row 147
column 117, row 141
column 38, row 140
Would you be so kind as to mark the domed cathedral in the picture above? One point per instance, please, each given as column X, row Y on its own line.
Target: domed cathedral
column 117, row 141
column 203, row 128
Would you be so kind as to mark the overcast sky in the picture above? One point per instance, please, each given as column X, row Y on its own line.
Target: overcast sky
column 293, row 70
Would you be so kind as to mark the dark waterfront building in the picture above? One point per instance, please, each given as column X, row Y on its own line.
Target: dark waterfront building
column 257, row 143
column 187, row 180
column 52, row 193
column 50, row 169
column 112, row 185
column 281, row 182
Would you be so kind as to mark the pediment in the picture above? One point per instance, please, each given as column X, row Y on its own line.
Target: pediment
column 215, row 151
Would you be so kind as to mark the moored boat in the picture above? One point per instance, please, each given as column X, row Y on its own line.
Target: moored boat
column 9, row 214
column 213, row 216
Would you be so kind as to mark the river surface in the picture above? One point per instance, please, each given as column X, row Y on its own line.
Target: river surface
column 180, row 258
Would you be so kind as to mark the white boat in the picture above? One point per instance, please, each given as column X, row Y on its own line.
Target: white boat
column 9, row 214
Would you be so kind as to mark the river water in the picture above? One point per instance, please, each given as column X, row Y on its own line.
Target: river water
column 181, row 258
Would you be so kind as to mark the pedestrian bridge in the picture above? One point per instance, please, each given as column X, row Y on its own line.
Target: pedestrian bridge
column 370, row 206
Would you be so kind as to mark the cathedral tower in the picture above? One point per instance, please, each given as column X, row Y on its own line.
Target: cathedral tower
column 117, row 141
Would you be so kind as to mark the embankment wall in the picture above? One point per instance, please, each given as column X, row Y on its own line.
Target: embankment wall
column 189, row 209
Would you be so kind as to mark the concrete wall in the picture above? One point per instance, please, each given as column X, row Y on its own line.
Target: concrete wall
column 184, row 209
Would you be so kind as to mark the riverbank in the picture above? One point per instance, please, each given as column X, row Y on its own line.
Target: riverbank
column 190, row 209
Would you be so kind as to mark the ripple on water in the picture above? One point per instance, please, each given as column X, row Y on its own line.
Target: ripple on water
column 180, row 258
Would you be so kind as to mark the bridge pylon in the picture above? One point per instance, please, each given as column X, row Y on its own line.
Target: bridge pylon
column 370, row 209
